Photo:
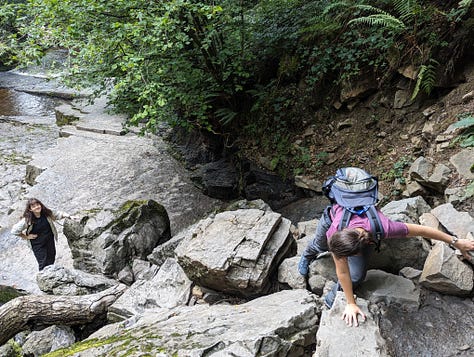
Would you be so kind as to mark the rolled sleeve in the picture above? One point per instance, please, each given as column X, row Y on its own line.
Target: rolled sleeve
column 18, row 228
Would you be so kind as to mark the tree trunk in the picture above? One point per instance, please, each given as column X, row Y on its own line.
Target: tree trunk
column 25, row 311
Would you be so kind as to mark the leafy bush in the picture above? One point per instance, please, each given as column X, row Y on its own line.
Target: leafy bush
column 466, row 124
column 238, row 68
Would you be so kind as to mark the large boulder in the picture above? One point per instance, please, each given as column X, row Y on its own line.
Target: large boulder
column 108, row 241
column 236, row 252
column 396, row 254
column 445, row 272
column 280, row 324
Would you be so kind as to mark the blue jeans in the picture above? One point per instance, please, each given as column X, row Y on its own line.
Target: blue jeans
column 358, row 270
column 319, row 243
column 357, row 263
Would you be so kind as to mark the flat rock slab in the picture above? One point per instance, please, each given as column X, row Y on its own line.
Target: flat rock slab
column 85, row 172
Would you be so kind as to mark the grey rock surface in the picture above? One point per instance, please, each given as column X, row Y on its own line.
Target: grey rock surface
column 336, row 339
column 393, row 290
column 445, row 272
column 236, row 251
column 169, row 288
column 107, row 241
column 58, row 280
column 280, row 324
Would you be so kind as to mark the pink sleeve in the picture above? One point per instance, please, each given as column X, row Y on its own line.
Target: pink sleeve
column 395, row 229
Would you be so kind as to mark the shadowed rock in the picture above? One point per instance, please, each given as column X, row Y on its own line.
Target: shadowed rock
column 108, row 241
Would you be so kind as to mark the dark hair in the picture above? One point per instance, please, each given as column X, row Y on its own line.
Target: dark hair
column 348, row 242
column 29, row 216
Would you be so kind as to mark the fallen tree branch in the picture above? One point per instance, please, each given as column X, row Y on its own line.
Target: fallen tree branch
column 20, row 313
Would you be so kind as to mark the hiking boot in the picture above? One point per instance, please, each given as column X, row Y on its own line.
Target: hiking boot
column 303, row 266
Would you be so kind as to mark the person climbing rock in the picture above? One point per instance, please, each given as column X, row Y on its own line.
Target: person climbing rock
column 352, row 243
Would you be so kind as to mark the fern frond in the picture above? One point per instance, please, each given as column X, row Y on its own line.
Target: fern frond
column 405, row 8
column 370, row 8
column 464, row 123
column 383, row 20
column 429, row 78
column 464, row 4
column 419, row 79
column 336, row 6
column 426, row 78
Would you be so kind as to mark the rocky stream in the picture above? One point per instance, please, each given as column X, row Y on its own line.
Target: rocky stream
column 209, row 296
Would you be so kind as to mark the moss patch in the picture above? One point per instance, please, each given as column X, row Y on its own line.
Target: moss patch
column 88, row 344
column 8, row 293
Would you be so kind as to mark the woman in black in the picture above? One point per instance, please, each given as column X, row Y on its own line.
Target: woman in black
column 37, row 226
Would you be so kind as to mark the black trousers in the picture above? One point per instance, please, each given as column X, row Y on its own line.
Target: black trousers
column 45, row 252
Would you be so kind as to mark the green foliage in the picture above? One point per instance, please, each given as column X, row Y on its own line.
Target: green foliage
column 426, row 78
column 380, row 18
column 470, row 188
column 164, row 61
column 396, row 173
column 466, row 123
column 265, row 66
column 456, row 14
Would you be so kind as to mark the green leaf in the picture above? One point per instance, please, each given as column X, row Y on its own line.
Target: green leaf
column 464, row 123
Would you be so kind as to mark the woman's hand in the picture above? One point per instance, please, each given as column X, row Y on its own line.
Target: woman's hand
column 350, row 314
column 464, row 246
column 31, row 236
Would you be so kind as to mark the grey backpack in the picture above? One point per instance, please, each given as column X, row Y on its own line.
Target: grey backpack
column 356, row 191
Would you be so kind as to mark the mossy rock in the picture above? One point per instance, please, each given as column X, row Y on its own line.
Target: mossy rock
column 8, row 293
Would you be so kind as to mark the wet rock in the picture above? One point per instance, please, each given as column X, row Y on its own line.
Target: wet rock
column 218, row 179
column 272, row 189
column 236, row 251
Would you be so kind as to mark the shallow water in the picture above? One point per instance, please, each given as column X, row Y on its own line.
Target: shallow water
column 15, row 103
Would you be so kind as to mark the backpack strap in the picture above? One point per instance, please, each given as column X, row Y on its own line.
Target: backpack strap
column 376, row 226
column 345, row 219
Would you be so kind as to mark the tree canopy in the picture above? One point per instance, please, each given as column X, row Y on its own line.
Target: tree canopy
column 233, row 66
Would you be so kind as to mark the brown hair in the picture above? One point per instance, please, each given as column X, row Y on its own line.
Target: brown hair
column 348, row 242
column 29, row 216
